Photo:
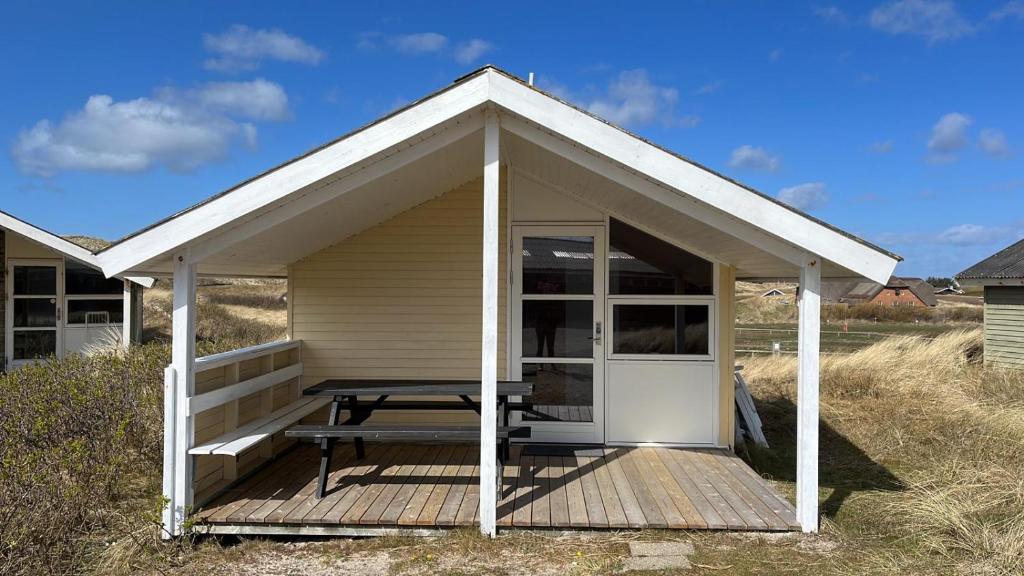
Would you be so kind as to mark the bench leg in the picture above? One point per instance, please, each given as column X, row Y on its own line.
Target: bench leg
column 326, row 450
column 357, row 416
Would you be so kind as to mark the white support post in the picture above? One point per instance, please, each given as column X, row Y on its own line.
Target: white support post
column 183, row 356
column 126, row 316
column 489, row 353
column 170, row 452
column 808, row 337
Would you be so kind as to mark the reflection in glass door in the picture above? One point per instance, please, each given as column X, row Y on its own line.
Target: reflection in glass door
column 558, row 285
column 35, row 310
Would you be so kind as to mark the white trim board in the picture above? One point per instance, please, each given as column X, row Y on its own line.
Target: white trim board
column 531, row 114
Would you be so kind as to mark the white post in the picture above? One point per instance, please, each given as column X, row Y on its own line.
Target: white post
column 183, row 356
column 126, row 316
column 170, row 453
column 489, row 353
column 808, row 336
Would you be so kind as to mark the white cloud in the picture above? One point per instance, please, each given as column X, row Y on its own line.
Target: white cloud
column 243, row 48
column 949, row 135
column 775, row 55
column 471, row 50
column 807, row 196
column 1013, row 9
column 257, row 99
column 974, row 234
column 754, row 158
column 180, row 130
column 832, row 13
column 883, row 147
column 419, row 43
column 632, row 99
column 935, row 20
column 994, row 143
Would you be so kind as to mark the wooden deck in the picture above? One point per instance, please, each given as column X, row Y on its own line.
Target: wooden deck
column 400, row 486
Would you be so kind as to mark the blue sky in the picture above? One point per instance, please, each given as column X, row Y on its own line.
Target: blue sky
column 900, row 121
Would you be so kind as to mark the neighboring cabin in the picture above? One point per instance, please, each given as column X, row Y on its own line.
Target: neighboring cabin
column 1002, row 278
column 56, row 301
column 896, row 292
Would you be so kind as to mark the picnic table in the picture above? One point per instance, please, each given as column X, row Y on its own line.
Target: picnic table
column 346, row 393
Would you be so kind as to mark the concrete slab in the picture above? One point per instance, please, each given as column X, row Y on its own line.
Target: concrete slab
column 660, row 548
column 655, row 563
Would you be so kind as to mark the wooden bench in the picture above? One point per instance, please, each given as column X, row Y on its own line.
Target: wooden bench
column 252, row 433
column 326, row 435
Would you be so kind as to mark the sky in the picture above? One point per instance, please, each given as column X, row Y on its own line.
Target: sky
column 900, row 121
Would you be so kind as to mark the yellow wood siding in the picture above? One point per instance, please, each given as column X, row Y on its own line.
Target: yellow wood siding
column 401, row 299
column 1004, row 326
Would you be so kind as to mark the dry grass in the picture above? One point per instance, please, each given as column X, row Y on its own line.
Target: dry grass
column 951, row 430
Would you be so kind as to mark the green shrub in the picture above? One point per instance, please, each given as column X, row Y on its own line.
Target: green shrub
column 78, row 438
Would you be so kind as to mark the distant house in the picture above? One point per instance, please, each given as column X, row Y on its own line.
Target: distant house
column 948, row 290
column 896, row 292
column 773, row 293
column 1002, row 277
column 56, row 301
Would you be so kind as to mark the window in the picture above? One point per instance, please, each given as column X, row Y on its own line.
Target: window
column 640, row 264
column 81, row 279
column 95, row 311
column 661, row 329
column 558, row 265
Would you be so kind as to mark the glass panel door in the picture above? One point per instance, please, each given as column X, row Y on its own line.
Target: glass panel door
column 558, row 284
column 35, row 310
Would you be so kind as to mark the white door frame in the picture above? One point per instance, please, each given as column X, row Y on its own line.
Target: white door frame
column 56, row 263
column 563, row 432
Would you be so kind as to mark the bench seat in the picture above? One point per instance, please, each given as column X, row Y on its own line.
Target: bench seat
column 252, row 433
column 402, row 432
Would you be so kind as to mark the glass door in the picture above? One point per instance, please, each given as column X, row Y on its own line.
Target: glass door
column 557, row 329
column 35, row 312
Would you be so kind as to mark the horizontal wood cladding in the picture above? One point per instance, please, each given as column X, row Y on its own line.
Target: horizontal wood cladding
column 401, row 299
column 1004, row 326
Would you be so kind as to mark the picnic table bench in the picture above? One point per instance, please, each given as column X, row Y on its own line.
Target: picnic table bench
column 345, row 394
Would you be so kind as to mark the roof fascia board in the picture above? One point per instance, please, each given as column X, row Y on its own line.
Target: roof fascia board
column 252, row 196
column 54, row 242
column 701, row 184
column 991, row 281
column 713, row 217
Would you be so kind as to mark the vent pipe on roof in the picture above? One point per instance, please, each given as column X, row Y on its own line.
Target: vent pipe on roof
column 530, row 81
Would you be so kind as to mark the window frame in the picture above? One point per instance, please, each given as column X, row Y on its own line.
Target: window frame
column 665, row 300
column 67, row 308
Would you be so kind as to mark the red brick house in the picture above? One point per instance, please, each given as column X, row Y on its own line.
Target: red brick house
column 897, row 292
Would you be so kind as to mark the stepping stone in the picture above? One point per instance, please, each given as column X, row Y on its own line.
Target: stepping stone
column 655, row 563
column 660, row 548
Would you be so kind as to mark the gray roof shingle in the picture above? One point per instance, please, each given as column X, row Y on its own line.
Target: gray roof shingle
column 1007, row 263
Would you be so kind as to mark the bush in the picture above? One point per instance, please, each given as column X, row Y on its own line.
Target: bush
column 79, row 438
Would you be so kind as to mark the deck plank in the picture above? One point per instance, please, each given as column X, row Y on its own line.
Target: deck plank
column 647, row 478
column 509, row 485
column 574, row 493
column 711, row 517
column 558, row 499
column 359, row 483
column 449, row 512
column 294, row 479
column 432, row 507
column 597, row 516
column 763, row 488
column 750, row 518
column 339, row 484
column 411, row 475
column 754, row 502
column 525, row 487
column 419, row 497
column 226, row 504
column 691, row 516
column 628, row 497
column 541, row 513
column 378, row 499
column 706, row 487
column 470, row 506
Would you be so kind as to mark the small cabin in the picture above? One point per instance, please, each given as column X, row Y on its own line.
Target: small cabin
column 56, row 300
column 1001, row 276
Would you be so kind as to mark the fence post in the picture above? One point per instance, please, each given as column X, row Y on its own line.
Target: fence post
column 170, row 421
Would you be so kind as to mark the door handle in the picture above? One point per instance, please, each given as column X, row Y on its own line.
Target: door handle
column 596, row 338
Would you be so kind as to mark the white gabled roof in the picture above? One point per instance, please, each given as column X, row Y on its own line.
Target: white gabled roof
column 558, row 127
column 54, row 242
